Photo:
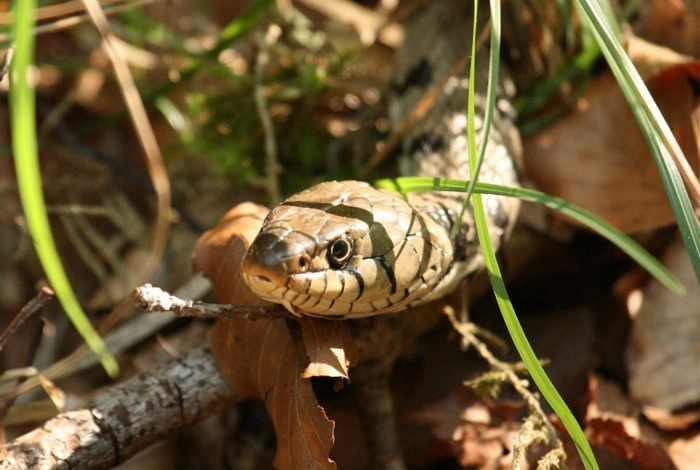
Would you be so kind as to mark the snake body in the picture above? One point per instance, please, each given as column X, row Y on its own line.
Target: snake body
column 348, row 250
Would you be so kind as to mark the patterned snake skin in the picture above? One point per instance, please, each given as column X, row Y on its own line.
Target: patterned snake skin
column 348, row 250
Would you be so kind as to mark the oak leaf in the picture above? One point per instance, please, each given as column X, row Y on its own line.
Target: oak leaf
column 268, row 359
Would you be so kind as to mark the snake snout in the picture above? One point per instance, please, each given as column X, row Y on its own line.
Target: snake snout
column 274, row 258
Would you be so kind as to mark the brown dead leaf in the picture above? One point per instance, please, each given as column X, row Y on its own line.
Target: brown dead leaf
column 668, row 421
column 662, row 352
column 480, row 432
column 616, row 431
column 219, row 251
column 685, row 452
column 264, row 359
column 597, row 157
column 671, row 23
column 330, row 347
column 610, row 435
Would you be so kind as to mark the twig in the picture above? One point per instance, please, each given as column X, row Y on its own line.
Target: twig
column 82, row 249
column 122, row 338
column 72, row 21
column 273, row 169
column 153, row 299
column 6, row 61
column 144, row 131
column 149, row 143
column 126, row 418
column 34, row 305
column 520, row 385
column 78, row 209
column 370, row 24
column 54, row 11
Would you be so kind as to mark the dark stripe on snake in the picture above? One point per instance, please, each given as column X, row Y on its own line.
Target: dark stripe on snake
column 389, row 273
column 360, row 282
column 341, row 278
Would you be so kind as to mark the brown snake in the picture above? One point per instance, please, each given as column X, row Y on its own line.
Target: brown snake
column 348, row 250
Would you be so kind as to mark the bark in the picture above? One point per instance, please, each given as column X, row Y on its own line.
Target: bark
column 126, row 418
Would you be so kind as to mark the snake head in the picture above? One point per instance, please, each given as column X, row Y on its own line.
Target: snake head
column 345, row 250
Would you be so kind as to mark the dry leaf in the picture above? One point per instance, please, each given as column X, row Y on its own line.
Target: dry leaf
column 480, row 432
column 671, row 23
column 219, row 251
column 597, row 157
column 264, row 358
column 610, row 434
column 662, row 352
column 330, row 347
column 668, row 421
column 685, row 452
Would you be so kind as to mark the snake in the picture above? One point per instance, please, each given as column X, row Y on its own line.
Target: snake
column 347, row 250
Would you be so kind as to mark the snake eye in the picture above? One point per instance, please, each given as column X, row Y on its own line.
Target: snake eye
column 339, row 252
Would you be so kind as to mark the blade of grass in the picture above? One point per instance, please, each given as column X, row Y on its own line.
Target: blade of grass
column 585, row 217
column 523, row 345
column 665, row 150
column 491, row 90
column 26, row 157
column 511, row 319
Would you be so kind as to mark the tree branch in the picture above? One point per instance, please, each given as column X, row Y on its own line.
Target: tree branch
column 126, row 418
column 153, row 299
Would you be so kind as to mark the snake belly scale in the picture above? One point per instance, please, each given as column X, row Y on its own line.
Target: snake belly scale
column 348, row 250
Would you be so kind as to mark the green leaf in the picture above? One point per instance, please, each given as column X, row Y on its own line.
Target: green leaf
column 26, row 157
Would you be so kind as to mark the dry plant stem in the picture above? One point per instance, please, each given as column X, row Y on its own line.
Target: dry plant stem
column 520, row 385
column 72, row 21
column 78, row 209
column 144, row 131
column 53, row 11
column 370, row 386
column 122, row 338
column 6, row 61
column 34, row 305
column 272, row 170
column 425, row 104
column 82, row 249
column 418, row 113
column 153, row 299
column 126, row 418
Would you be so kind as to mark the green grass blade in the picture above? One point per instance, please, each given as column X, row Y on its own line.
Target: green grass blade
column 655, row 129
column 516, row 332
column 24, row 145
column 491, row 91
column 585, row 217
column 523, row 345
column 240, row 25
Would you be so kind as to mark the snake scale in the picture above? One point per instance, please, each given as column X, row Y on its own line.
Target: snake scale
column 348, row 250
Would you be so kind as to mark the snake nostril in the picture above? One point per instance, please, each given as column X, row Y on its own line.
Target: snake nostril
column 302, row 264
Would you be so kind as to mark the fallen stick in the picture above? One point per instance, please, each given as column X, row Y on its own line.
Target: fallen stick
column 126, row 418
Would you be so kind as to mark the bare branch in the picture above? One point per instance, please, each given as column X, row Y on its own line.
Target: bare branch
column 34, row 305
column 272, row 167
column 153, row 299
column 126, row 418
